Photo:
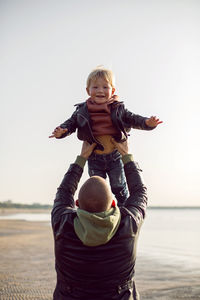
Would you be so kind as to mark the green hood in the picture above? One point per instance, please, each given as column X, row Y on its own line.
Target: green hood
column 95, row 229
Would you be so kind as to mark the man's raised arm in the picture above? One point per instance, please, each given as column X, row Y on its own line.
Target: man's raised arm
column 65, row 194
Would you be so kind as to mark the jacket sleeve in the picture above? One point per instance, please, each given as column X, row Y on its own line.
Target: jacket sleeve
column 64, row 200
column 132, row 120
column 70, row 124
column 137, row 201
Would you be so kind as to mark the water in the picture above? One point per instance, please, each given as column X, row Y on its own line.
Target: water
column 28, row 217
column 170, row 235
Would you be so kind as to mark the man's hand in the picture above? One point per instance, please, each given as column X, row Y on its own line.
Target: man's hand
column 153, row 121
column 87, row 149
column 58, row 132
column 121, row 147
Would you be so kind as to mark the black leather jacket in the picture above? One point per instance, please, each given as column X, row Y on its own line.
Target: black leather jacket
column 122, row 119
column 102, row 272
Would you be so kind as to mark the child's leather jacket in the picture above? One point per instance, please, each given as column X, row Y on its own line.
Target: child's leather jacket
column 122, row 119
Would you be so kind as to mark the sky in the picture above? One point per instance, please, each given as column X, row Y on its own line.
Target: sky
column 47, row 50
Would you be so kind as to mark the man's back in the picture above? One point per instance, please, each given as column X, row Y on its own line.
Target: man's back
column 100, row 272
column 104, row 266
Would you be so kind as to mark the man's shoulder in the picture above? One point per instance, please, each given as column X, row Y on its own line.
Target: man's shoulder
column 69, row 210
column 61, row 214
column 62, row 219
column 134, row 213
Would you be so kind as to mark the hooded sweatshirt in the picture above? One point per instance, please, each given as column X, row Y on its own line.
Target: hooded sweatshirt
column 95, row 229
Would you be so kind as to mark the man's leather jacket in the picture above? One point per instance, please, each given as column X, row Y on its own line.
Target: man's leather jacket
column 122, row 119
column 102, row 272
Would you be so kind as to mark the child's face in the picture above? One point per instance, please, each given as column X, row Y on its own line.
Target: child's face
column 100, row 90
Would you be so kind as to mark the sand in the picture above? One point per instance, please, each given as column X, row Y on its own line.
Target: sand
column 27, row 267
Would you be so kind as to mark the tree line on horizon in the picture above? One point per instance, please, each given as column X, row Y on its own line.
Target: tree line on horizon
column 10, row 204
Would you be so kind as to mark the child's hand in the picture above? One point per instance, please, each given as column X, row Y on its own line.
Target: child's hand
column 58, row 132
column 153, row 121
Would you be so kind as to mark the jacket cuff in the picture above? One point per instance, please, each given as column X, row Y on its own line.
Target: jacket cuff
column 127, row 158
column 80, row 161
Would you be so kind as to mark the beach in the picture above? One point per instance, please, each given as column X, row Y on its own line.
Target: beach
column 27, row 267
column 26, row 260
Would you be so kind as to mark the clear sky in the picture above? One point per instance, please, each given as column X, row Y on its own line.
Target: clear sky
column 47, row 50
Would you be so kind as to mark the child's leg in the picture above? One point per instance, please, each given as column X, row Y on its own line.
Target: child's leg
column 96, row 166
column 117, row 179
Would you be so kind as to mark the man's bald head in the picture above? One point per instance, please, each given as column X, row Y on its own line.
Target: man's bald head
column 95, row 195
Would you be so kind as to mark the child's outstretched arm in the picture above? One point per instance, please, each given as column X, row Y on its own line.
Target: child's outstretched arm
column 139, row 122
column 58, row 132
column 153, row 121
column 66, row 128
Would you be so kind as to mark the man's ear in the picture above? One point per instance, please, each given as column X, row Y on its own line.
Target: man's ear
column 76, row 202
column 113, row 204
column 113, row 91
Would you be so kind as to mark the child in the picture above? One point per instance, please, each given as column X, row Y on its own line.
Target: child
column 99, row 119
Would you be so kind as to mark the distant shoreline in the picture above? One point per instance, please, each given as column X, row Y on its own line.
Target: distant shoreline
column 173, row 207
column 11, row 210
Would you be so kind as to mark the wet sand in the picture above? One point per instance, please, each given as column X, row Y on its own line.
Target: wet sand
column 27, row 267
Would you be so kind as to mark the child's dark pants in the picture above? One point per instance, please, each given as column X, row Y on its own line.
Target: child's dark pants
column 111, row 164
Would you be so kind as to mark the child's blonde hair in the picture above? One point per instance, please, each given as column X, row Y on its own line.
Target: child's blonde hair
column 101, row 72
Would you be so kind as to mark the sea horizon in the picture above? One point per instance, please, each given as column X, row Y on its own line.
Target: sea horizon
column 50, row 206
column 174, row 207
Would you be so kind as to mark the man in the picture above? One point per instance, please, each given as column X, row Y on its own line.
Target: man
column 95, row 245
